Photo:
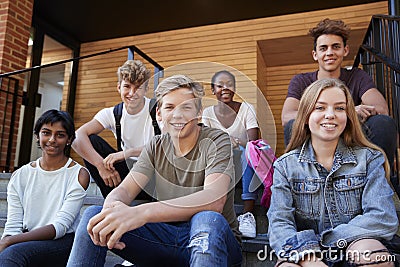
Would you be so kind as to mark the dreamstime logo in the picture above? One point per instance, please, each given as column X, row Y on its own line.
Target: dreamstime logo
column 330, row 254
column 341, row 243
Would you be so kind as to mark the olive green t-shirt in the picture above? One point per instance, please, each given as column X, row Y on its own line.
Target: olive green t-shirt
column 174, row 176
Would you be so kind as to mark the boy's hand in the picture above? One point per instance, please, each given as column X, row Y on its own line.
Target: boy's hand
column 110, row 177
column 112, row 158
column 107, row 227
column 365, row 111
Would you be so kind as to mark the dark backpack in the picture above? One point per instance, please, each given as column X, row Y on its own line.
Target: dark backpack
column 118, row 114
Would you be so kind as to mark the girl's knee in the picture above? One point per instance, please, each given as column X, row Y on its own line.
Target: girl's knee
column 12, row 256
column 369, row 251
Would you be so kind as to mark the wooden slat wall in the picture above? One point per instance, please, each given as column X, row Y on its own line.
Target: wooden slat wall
column 232, row 44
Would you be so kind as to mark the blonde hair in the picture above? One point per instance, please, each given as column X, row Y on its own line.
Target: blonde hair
column 133, row 71
column 352, row 135
column 179, row 81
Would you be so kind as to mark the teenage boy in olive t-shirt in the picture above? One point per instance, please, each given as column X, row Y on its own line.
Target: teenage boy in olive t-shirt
column 194, row 222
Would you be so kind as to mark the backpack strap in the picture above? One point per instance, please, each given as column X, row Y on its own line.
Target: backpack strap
column 117, row 116
column 152, row 110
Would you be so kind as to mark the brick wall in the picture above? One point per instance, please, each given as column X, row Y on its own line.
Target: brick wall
column 15, row 24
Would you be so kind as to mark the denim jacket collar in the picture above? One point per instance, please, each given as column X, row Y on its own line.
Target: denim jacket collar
column 343, row 154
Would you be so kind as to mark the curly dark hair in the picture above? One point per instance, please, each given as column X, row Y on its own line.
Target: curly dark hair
column 329, row 26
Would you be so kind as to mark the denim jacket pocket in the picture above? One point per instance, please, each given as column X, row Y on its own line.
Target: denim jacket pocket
column 306, row 197
column 348, row 192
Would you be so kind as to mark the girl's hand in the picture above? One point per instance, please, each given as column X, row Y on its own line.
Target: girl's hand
column 235, row 141
column 4, row 243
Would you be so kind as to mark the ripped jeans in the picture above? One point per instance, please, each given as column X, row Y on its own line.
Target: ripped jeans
column 206, row 240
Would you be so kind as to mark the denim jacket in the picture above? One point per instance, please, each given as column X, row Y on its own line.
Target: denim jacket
column 312, row 208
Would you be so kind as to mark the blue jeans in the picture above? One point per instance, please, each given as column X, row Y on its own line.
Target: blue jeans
column 249, row 187
column 206, row 240
column 38, row 253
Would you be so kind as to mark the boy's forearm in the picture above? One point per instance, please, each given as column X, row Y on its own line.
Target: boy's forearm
column 127, row 191
column 84, row 148
column 291, row 115
column 133, row 152
column 183, row 208
column 118, row 194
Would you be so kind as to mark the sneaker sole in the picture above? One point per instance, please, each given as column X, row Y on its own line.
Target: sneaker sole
column 248, row 235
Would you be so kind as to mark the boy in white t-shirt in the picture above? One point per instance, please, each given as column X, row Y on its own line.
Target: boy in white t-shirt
column 108, row 166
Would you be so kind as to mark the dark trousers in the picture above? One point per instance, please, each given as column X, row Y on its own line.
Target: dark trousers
column 380, row 130
column 43, row 253
column 104, row 149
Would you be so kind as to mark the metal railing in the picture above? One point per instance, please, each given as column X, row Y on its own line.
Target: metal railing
column 379, row 56
column 10, row 94
column 8, row 110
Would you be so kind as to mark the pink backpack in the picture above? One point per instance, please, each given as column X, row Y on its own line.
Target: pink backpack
column 260, row 156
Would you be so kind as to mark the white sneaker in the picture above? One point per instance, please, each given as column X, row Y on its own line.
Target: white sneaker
column 247, row 225
column 127, row 263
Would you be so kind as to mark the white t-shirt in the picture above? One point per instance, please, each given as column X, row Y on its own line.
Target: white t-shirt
column 37, row 197
column 245, row 119
column 136, row 130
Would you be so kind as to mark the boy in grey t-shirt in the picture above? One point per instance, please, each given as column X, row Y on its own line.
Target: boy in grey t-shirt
column 194, row 222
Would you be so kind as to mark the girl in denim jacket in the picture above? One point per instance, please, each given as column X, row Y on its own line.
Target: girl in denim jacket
column 331, row 201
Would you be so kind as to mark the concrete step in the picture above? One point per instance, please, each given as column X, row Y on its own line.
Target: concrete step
column 257, row 252
column 260, row 216
column 4, row 178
